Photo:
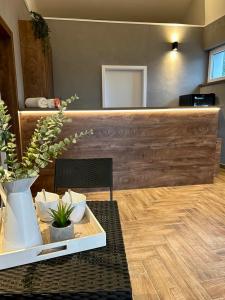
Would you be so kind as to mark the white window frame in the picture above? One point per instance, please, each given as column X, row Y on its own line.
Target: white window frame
column 105, row 68
column 211, row 53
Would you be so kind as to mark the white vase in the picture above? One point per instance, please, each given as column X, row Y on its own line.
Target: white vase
column 21, row 229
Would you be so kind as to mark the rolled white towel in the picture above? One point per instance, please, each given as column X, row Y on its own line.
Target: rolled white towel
column 37, row 102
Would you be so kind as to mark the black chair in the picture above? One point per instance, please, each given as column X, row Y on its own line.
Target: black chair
column 84, row 173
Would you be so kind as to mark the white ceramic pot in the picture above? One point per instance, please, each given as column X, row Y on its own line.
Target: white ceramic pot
column 78, row 201
column 21, row 229
column 78, row 211
column 43, row 205
column 61, row 234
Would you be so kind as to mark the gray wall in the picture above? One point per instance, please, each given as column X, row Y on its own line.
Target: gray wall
column 219, row 90
column 214, row 34
column 11, row 11
column 80, row 48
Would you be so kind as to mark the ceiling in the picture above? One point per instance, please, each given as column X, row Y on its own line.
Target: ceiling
column 159, row 11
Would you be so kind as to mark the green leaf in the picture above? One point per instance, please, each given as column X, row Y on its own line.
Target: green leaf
column 62, row 214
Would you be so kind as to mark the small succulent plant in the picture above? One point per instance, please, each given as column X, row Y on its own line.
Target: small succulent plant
column 61, row 215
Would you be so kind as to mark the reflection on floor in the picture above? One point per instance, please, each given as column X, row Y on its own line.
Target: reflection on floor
column 175, row 240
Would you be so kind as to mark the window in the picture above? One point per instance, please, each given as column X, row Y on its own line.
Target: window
column 217, row 64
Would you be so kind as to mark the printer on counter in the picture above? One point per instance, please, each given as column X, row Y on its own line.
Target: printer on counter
column 197, row 100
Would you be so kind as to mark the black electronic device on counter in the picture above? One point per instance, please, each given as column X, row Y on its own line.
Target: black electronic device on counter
column 197, row 100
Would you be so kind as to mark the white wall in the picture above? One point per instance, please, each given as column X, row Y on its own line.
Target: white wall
column 214, row 9
column 11, row 11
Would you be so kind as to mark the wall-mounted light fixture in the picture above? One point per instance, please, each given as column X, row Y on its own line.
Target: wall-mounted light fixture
column 175, row 46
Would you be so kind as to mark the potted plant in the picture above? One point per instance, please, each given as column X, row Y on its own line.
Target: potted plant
column 21, row 228
column 61, row 227
column 40, row 30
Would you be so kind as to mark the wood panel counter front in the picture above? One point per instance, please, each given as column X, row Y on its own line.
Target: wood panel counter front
column 149, row 147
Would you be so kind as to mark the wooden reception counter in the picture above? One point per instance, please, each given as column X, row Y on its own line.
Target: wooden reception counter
column 149, row 147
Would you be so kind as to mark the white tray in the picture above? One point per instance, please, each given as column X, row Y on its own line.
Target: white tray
column 89, row 234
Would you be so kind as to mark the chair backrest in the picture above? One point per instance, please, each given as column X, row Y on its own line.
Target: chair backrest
column 84, row 173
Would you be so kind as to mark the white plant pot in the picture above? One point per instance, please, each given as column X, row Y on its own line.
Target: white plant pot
column 43, row 205
column 21, row 229
column 78, row 203
column 78, row 212
column 61, row 234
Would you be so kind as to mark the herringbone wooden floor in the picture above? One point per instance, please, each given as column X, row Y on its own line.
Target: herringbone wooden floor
column 175, row 240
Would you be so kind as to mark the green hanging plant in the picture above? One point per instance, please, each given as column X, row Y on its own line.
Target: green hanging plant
column 41, row 30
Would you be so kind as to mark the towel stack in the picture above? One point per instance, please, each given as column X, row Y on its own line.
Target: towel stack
column 41, row 102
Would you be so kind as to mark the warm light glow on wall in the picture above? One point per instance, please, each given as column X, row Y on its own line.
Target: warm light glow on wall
column 175, row 34
column 173, row 55
column 174, row 37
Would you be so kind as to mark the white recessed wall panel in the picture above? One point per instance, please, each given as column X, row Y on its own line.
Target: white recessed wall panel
column 124, row 86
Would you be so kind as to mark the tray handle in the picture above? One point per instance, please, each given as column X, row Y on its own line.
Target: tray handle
column 49, row 251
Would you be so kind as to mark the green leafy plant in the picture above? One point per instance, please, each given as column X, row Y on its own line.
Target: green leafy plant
column 44, row 145
column 40, row 29
column 61, row 215
column 7, row 143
